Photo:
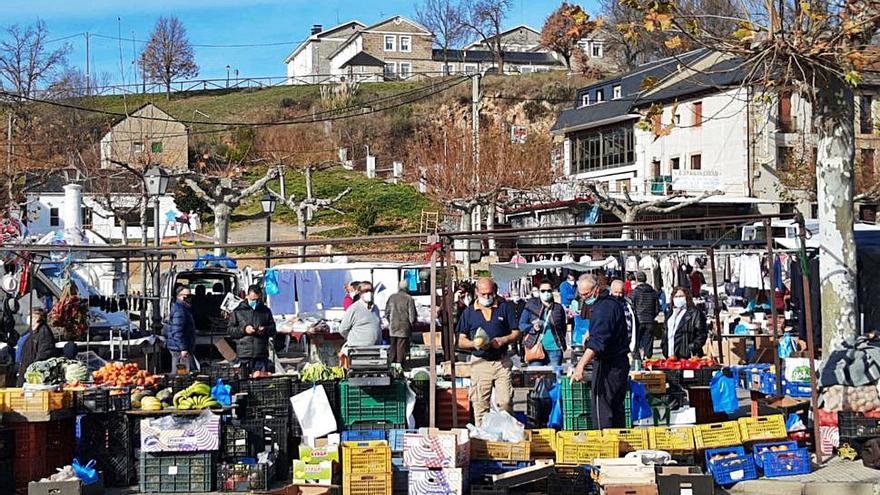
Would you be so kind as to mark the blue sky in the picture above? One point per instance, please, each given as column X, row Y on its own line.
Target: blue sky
column 216, row 22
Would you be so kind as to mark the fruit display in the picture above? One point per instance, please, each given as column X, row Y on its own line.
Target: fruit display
column 148, row 401
column 317, row 372
column 196, row 396
column 674, row 363
column 56, row 371
column 124, row 374
column 260, row 374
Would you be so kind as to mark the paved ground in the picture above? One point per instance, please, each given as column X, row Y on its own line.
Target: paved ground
column 837, row 477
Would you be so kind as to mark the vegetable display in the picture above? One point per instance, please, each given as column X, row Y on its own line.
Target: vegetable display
column 673, row 363
column 317, row 372
column 56, row 371
column 851, row 399
column 122, row 374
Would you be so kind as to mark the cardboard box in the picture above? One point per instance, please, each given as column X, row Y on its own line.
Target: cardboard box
column 432, row 448
column 449, row 481
column 185, row 434
column 462, row 370
column 631, row 489
column 314, row 455
column 623, row 472
column 302, row 490
column 733, row 352
column 684, row 480
column 73, row 487
column 312, row 474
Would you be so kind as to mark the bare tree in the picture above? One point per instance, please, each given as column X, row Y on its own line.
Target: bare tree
column 26, row 61
column 169, row 54
column 485, row 20
column 443, row 18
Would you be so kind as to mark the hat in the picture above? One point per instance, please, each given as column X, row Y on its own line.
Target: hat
column 9, row 283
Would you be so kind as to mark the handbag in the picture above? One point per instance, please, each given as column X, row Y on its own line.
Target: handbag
column 535, row 352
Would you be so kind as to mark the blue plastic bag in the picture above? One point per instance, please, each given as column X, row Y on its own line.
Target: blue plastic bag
column 786, row 346
column 581, row 331
column 222, row 393
column 723, row 390
column 641, row 409
column 270, row 282
column 555, row 420
column 87, row 474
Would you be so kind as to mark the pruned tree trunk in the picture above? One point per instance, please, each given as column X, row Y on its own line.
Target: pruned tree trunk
column 466, row 224
column 835, row 153
column 142, row 213
column 490, row 225
column 303, row 228
column 222, row 212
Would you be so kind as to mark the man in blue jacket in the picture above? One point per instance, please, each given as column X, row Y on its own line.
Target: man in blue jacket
column 608, row 349
column 180, row 331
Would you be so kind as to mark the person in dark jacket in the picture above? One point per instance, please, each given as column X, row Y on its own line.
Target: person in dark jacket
column 37, row 344
column 646, row 304
column 685, row 327
column 400, row 311
column 252, row 325
column 608, row 350
column 543, row 320
column 180, row 331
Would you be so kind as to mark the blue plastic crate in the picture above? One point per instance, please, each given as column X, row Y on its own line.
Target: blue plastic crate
column 768, row 383
column 797, row 389
column 732, row 470
column 759, row 449
column 395, row 438
column 363, row 435
column 789, row 463
column 399, row 477
column 479, row 470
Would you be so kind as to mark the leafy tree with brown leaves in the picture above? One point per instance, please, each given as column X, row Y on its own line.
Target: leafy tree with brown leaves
column 169, row 54
column 564, row 28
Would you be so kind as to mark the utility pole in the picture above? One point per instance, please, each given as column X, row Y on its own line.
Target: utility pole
column 88, row 67
column 9, row 122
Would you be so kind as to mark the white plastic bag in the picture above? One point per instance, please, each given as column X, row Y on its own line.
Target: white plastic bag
column 313, row 411
column 499, row 426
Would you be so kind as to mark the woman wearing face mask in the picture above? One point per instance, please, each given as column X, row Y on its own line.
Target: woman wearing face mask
column 685, row 327
column 543, row 320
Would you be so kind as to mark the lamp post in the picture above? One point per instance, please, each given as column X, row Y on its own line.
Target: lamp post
column 156, row 185
column 268, row 203
column 227, row 75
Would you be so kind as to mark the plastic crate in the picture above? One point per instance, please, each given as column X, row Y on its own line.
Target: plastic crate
column 399, row 477
column 41, row 448
column 576, row 405
column 570, row 480
column 7, row 443
column 367, row 484
column 790, row 463
column 480, row 471
column 856, row 425
column 444, row 408
column 676, row 440
column 373, row 425
column 105, row 432
column 538, row 409
column 366, row 457
column 363, row 435
column 19, row 400
column 269, row 434
column 395, row 438
column 179, row 382
column 762, row 428
column 502, row 451
column 331, row 389
column 543, row 443
column 102, row 400
column 373, row 403
column 176, row 473
column 271, row 393
column 237, row 442
column 768, row 383
column 231, row 374
column 797, row 389
column 241, row 477
column 582, row 447
column 732, row 470
column 630, row 439
column 758, row 450
column 715, row 435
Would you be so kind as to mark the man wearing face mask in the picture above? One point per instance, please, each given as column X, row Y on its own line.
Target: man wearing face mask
column 487, row 329
column 252, row 325
column 36, row 344
column 543, row 320
column 351, row 293
column 567, row 291
column 618, row 291
column 180, row 331
column 607, row 348
column 362, row 324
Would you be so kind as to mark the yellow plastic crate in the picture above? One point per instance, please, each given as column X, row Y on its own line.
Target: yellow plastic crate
column 19, row 400
column 672, row 439
column 714, row 435
column 543, row 443
column 373, row 457
column 762, row 428
column 502, row 451
column 581, row 447
column 630, row 439
column 367, row 484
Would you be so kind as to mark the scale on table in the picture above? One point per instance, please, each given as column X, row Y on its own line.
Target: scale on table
column 369, row 366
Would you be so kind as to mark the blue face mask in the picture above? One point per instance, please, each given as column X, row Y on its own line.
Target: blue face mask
column 253, row 304
column 590, row 301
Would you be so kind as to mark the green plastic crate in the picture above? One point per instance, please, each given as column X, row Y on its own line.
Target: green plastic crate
column 378, row 404
column 176, row 472
column 577, row 406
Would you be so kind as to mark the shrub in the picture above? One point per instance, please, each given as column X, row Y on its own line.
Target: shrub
column 365, row 218
column 287, row 102
column 534, row 109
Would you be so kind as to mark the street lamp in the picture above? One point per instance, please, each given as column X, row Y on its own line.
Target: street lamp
column 268, row 203
column 156, row 184
column 227, row 75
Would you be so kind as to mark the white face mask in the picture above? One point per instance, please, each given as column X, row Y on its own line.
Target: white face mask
column 367, row 297
column 487, row 301
column 352, row 293
column 546, row 296
column 571, row 282
column 679, row 302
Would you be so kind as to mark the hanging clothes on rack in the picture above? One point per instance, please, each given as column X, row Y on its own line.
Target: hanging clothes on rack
column 750, row 272
column 649, row 265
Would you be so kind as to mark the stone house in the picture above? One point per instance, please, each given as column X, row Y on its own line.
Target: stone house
column 148, row 136
column 309, row 63
column 403, row 45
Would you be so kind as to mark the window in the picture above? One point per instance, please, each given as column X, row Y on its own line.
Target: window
column 585, row 99
column 696, row 162
column 391, row 70
column 138, row 147
column 785, row 159
column 156, row 146
column 615, row 92
column 597, row 50
column 655, row 168
column 624, row 185
column 54, row 217
column 867, row 167
column 132, row 218
column 600, row 95
column 405, row 44
column 676, row 119
column 389, row 43
column 470, row 69
column 405, row 70
column 785, row 122
column 698, row 113
column 602, row 149
column 86, row 213
column 447, row 69
column 675, row 163
column 866, row 123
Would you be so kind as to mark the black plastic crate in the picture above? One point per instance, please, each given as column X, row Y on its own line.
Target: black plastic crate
column 7, row 444
column 373, row 425
column 268, row 393
column 570, row 480
column 176, row 472
column 118, row 470
column 182, row 382
column 856, row 425
column 538, row 409
column 237, row 442
column 228, row 372
column 106, row 433
column 102, row 400
column 244, row 477
column 268, row 433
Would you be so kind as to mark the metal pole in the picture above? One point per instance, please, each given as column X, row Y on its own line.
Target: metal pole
column 711, row 253
column 432, row 358
column 811, row 347
column 157, row 303
column 772, row 270
column 449, row 341
column 268, row 239
column 88, row 68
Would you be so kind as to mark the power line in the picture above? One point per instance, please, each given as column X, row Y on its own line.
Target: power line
column 207, row 45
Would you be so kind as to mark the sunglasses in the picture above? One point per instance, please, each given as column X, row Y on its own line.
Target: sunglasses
column 546, row 292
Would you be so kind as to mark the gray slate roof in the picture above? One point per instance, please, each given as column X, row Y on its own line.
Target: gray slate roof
column 476, row 56
column 363, row 59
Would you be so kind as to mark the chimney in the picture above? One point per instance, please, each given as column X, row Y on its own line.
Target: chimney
column 317, row 28
column 71, row 215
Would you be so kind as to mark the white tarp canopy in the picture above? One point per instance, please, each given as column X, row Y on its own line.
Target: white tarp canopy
column 504, row 273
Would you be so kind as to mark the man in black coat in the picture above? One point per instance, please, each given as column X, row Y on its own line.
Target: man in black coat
column 646, row 305
column 37, row 344
column 252, row 325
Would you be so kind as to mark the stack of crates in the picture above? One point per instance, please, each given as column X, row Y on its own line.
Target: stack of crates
column 176, row 472
column 107, row 439
column 366, row 468
column 41, row 448
column 577, row 405
column 399, row 471
column 373, row 404
column 437, row 461
column 271, row 434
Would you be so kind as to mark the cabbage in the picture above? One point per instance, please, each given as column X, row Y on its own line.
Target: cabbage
column 74, row 371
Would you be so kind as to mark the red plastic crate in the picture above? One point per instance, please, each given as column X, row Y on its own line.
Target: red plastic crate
column 42, row 447
column 443, row 411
